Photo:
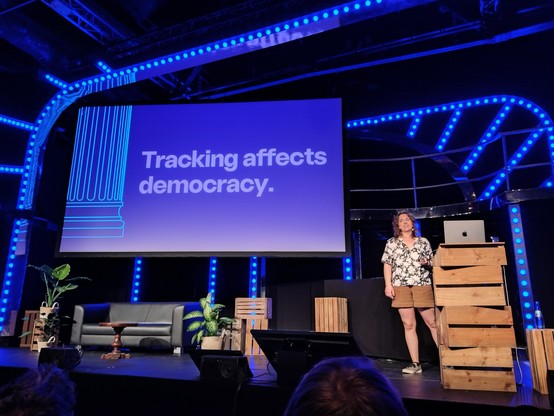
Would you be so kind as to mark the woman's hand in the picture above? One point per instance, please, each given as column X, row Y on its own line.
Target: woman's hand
column 426, row 262
column 389, row 292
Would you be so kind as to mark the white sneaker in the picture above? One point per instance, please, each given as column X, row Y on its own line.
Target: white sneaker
column 413, row 368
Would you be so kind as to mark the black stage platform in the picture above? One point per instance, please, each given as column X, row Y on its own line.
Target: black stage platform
column 156, row 383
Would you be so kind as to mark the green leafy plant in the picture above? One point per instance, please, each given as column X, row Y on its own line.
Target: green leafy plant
column 56, row 281
column 211, row 323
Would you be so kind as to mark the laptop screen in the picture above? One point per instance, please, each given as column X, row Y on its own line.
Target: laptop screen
column 464, row 231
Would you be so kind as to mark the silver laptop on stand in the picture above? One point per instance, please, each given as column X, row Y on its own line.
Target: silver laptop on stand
column 464, row 231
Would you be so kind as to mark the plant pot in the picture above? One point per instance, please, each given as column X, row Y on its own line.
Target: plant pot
column 44, row 310
column 46, row 344
column 212, row 343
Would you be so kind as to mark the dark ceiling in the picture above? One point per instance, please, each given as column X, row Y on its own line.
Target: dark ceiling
column 366, row 61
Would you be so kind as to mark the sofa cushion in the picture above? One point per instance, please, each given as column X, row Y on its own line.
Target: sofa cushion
column 142, row 312
column 144, row 328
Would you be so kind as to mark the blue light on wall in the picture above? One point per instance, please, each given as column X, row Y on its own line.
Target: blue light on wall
column 212, row 276
column 137, row 276
column 522, row 269
column 254, row 276
column 347, row 268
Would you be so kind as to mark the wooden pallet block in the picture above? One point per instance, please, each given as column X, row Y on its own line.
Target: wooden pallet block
column 331, row 314
column 470, row 254
column 254, row 313
column 475, row 326
column 477, row 368
column 469, row 286
column 28, row 325
column 253, row 308
column 540, row 349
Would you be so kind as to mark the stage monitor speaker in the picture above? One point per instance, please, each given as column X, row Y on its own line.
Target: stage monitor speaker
column 224, row 368
column 65, row 358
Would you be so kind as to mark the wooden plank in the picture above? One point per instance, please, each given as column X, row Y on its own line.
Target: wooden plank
column 442, row 330
column 476, row 357
column 470, row 379
column 470, row 296
column 480, row 337
column 481, row 254
column 477, row 315
column 343, row 317
column 467, row 275
column 319, row 317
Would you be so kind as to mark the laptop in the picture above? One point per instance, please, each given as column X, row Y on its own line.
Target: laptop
column 464, row 231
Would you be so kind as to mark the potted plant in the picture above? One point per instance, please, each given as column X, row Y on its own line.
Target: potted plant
column 210, row 329
column 56, row 282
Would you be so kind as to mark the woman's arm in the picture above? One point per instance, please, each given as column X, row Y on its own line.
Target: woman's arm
column 387, row 273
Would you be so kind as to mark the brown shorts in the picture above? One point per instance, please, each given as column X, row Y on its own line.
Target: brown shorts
column 413, row 296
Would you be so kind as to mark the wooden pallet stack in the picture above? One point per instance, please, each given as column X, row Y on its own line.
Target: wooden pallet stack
column 474, row 323
column 254, row 313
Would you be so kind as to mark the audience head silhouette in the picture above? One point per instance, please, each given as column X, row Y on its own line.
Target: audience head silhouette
column 44, row 391
column 345, row 386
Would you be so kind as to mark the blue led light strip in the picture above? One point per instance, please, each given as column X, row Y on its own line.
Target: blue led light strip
column 506, row 104
column 212, row 276
column 137, row 275
column 105, row 68
column 412, row 130
column 516, row 158
column 347, row 268
column 447, row 132
column 486, row 138
column 57, row 82
column 253, row 278
column 522, row 270
column 12, row 286
column 17, row 170
column 19, row 124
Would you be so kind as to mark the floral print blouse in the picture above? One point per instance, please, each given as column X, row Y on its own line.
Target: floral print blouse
column 406, row 262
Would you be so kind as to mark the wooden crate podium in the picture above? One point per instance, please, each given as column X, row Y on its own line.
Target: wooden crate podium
column 474, row 324
column 254, row 313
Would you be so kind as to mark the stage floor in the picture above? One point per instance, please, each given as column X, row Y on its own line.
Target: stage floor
column 167, row 383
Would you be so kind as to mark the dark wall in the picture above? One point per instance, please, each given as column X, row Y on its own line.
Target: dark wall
column 375, row 326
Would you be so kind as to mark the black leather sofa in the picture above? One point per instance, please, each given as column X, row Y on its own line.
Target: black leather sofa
column 160, row 324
